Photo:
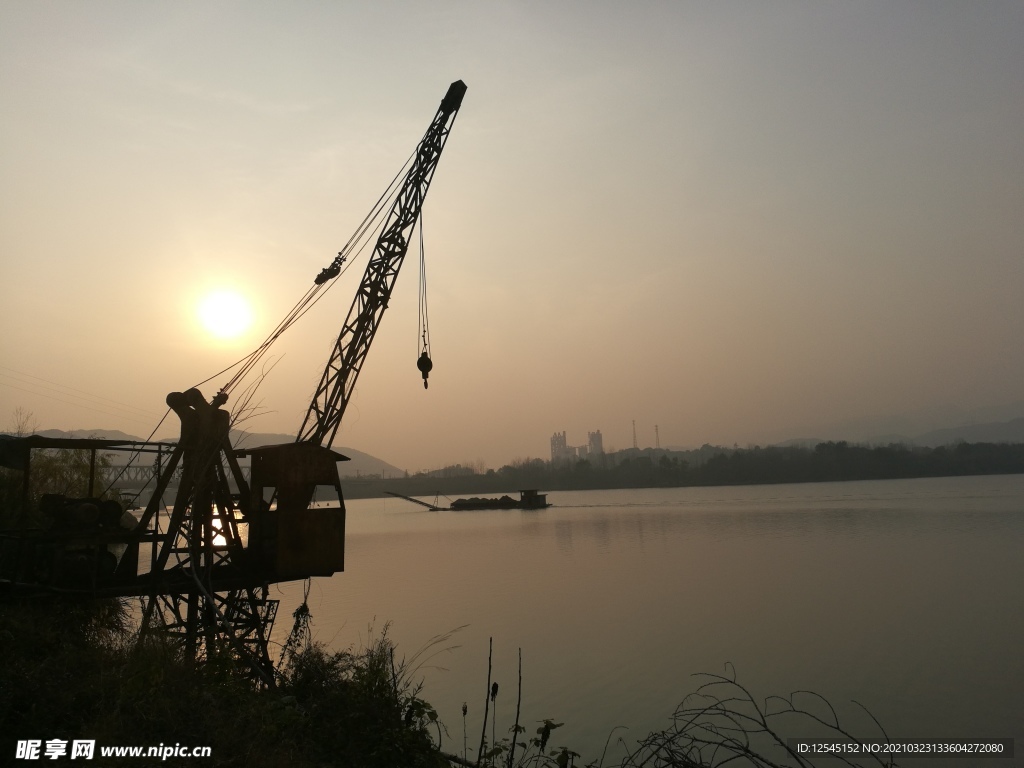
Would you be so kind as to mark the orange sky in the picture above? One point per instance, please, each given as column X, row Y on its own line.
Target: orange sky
column 741, row 222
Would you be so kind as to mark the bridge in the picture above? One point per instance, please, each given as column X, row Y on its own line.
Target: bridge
column 138, row 475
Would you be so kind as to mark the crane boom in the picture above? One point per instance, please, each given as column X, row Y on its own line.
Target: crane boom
column 339, row 377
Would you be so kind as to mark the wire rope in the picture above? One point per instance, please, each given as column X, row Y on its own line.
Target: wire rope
column 372, row 223
column 423, row 326
column 131, row 460
column 357, row 242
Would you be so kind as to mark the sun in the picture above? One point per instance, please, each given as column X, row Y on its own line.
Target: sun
column 225, row 314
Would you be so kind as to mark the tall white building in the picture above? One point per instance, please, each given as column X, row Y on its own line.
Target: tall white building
column 562, row 451
column 559, row 450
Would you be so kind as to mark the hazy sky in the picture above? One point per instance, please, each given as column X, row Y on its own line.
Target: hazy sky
column 739, row 221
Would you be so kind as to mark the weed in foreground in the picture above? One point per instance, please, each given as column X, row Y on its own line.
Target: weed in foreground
column 719, row 724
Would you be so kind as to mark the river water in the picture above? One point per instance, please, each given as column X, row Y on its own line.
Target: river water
column 906, row 596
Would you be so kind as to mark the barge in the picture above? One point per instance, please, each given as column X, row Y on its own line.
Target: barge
column 528, row 499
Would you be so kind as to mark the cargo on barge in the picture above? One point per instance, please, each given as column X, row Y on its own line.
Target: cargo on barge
column 528, row 499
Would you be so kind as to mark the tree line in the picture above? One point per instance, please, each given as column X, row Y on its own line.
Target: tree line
column 652, row 468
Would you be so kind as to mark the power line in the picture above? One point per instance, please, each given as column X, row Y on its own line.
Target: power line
column 77, row 405
column 19, row 377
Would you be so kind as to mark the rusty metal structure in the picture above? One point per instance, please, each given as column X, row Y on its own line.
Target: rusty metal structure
column 203, row 568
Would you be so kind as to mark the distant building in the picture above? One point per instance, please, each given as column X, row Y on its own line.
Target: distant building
column 561, row 450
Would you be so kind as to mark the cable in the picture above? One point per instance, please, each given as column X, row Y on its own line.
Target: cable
column 133, row 457
column 106, row 401
column 70, row 402
column 423, row 326
column 370, row 225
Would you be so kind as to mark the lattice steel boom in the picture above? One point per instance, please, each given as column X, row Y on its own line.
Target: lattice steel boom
column 339, row 377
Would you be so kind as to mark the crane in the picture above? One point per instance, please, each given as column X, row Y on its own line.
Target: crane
column 346, row 361
column 213, row 557
column 286, row 540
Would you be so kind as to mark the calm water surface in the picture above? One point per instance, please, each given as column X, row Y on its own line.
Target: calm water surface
column 907, row 596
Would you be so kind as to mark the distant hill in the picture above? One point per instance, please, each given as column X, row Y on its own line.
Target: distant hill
column 101, row 434
column 917, row 425
column 997, row 432
column 1011, row 431
column 361, row 464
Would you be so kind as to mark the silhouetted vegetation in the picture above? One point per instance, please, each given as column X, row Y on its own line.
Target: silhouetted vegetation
column 72, row 670
column 651, row 468
column 721, row 723
column 62, row 471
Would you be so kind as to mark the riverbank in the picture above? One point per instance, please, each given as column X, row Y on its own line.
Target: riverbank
column 826, row 462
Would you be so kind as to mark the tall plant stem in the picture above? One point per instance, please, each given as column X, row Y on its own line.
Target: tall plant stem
column 519, row 701
column 487, row 701
column 494, row 724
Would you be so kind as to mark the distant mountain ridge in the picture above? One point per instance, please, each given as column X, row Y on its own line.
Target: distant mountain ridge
column 360, row 463
column 924, row 425
column 363, row 464
column 1011, row 431
column 81, row 434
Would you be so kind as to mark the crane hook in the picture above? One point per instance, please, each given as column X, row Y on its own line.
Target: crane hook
column 425, row 366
